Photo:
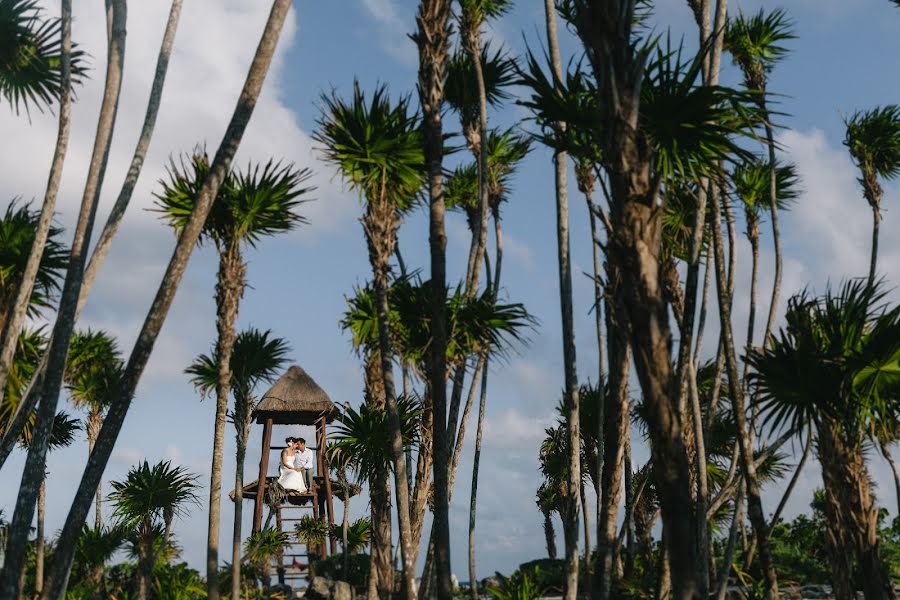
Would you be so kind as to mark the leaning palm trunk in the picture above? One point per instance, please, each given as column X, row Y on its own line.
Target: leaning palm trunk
column 16, row 318
column 94, row 423
column 476, row 462
column 39, row 542
column 33, row 473
column 62, row 563
column 145, row 562
column 116, row 215
column 873, row 262
column 572, row 501
column 432, row 39
column 776, row 232
column 229, row 289
column 754, row 501
column 736, row 519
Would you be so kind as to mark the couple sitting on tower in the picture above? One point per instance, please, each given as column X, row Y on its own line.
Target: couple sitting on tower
column 296, row 464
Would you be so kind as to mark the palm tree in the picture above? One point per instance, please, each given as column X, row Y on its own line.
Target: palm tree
column 262, row 547
column 93, row 369
column 252, row 204
column 62, row 435
column 832, row 366
column 147, row 499
column 362, row 444
column 18, row 229
column 751, row 186
column 432, row 38
column 378, row 148
column 756, row 46
column 570, row 520
column 256, row 357
column 159, row 308
column 873, row 139
column 96, row 547
column 547, row 499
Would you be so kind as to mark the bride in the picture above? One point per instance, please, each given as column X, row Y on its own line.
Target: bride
column 290, row 478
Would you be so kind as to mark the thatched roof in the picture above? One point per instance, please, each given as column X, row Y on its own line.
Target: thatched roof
column 295, row 399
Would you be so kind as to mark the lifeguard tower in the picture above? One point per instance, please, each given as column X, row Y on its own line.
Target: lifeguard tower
column 295, row 399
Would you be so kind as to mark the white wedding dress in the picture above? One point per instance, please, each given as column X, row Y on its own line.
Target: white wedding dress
column 290, row 479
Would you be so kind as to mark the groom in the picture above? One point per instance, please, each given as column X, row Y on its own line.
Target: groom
column 304, row 460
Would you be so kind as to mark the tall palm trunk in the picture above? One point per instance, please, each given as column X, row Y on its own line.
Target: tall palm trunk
column 432, row 39
column 773, row 214
column 776, row 516
column 737, row 518
column 94, row 423
column 572, row 500
column 229, row 289
column 145, row 562
column 754, row 501
column 380, row 224
column 236, row 536
column 15, row 318
column 62, row 562
column 64, row 326
column 382, row 565
column 615, row 430
column 848, row 491
column 101, row 250
column 476, row 463
column 39, row 543
column 873, row 262
column 549, row 535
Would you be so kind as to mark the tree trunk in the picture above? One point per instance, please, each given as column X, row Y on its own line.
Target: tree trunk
column 94, row 423
column 381, row 537
column 754, row 501
column 776, row 516
column 873, row 263
column 736, row 520
column 432, row 39
column 473, row 580
column 16, row 317
column 145, row 564
column 753, row 236
column 117, row 213
column 39, row 542
column 776, row 232
column 59, row 572
column 617, row 418
column 113, row 221
column 236, row 537
column 572, row 501
column 380, row 224
column 35, row 463
column 345, row 526
column 853, row 510
column 549, row 535
column 229, row 290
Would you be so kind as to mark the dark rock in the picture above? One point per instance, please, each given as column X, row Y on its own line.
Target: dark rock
column 319, row 589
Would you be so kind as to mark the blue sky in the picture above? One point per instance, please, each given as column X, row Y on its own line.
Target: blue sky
column 841, row 61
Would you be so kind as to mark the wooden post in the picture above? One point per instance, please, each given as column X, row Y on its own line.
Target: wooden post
column 281, row 569
column 263, row 470
column 328, row 497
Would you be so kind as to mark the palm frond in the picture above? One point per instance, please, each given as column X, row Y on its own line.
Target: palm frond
column 873, row 139
column 151, row 493
column 756, row 43
column 31, row 56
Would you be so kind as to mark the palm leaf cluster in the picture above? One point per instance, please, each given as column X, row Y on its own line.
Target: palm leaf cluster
column 756, row 43
column 475, row 325
column 31, row 56
column 845, row 346
column 376, row 144
column 258, row 201
column 18, row 229
column 151, row 494
column 93, row 369
column 361, row 442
